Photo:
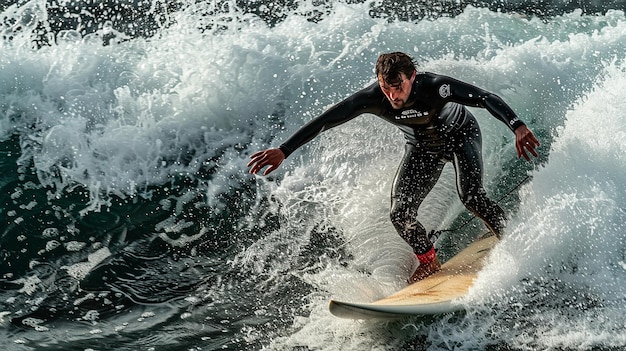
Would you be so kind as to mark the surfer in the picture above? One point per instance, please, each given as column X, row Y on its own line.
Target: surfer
column 429, row 109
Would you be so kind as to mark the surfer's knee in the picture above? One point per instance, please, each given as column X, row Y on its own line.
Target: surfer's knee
column 400, row 215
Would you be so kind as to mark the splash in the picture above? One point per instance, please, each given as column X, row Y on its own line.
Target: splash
column 564, row 254
column 154, row 129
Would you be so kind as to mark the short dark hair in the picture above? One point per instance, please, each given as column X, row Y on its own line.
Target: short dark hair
column 390, row 65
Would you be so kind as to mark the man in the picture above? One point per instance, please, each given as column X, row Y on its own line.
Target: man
column 429, row 109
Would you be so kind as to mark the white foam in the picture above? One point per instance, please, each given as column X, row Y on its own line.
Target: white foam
column 81, row 269
column 569, row 234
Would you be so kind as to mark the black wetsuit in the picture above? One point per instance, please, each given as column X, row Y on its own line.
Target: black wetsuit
column 438, row 129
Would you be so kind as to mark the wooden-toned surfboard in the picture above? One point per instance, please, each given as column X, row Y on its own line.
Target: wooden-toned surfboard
column 433, row 295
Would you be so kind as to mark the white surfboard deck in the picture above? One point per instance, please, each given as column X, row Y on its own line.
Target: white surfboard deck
column 435, row 294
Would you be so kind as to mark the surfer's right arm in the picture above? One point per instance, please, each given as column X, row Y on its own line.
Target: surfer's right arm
column 270, row 157
column 356, row 104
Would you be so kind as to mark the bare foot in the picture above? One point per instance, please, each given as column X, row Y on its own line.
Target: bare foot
column 424, row 270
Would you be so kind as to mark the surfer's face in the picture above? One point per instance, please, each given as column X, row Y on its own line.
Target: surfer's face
column 397, row 92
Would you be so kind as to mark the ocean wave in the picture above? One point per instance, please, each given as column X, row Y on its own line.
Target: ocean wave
column 130, row 213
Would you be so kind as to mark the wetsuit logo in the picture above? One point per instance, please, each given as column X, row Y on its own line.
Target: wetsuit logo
column 444, row 91
column 513, row 121
column 406, row 114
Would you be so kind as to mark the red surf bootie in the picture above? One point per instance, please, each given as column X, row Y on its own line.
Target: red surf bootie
column 429, row 264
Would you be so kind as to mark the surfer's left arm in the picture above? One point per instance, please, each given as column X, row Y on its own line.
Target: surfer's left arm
column 470, row 95
column 525, row 139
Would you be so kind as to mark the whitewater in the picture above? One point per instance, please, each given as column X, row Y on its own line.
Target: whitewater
column 130, row 221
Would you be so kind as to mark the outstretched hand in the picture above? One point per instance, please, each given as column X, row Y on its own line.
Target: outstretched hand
column 270, row 157
column 525, row 140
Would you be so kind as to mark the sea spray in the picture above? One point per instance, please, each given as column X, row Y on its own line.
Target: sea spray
column 153, row 130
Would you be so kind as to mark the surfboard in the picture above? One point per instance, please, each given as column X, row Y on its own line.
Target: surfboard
column 436, row 294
